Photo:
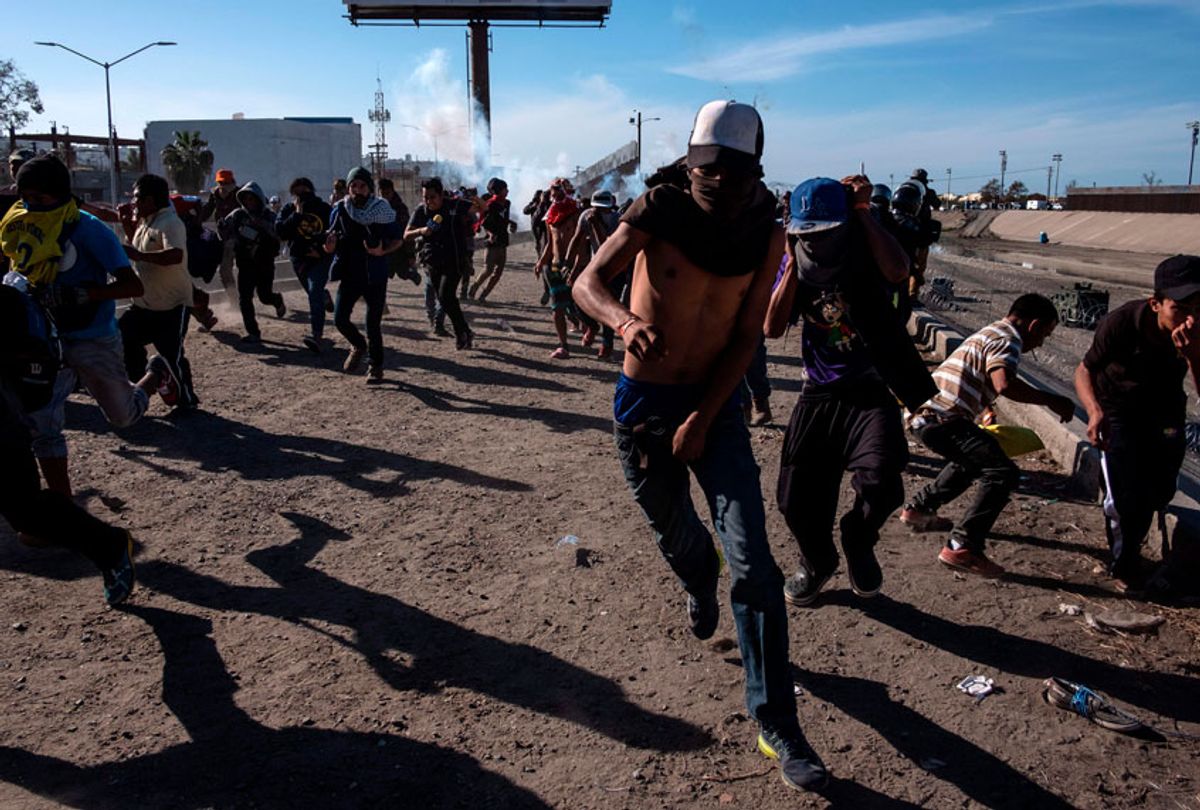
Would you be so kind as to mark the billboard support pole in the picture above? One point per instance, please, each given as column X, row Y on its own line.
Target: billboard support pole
column 481, row 93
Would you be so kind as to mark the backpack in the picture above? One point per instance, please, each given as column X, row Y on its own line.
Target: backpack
column 205, row 251
column 33, row 336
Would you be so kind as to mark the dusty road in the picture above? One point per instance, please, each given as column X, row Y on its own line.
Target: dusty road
column 357, row 597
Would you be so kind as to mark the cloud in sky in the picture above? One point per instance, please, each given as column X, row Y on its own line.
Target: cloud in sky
column 777, row 57
column 774, row 57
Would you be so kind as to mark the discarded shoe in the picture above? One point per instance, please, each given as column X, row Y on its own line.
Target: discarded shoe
column 1077, row 698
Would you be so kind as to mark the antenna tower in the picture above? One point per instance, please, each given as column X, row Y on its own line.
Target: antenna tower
column 379, row 116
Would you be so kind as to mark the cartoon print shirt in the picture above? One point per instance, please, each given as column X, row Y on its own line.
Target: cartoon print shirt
column 832, row 349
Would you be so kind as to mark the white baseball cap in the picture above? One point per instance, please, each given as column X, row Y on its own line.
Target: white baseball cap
column 725, row 127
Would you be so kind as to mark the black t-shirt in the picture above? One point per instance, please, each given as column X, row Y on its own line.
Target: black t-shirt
column 495, row 222
column 446, row 247
column 1136, row 369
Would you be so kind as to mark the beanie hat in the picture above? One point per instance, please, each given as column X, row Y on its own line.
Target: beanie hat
column 359, row 173
column 47, row 174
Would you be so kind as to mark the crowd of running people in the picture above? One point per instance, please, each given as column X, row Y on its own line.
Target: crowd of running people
column 692, row 276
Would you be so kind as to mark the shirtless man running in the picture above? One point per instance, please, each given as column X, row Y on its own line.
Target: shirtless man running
column 561, row 221
column 704, row 265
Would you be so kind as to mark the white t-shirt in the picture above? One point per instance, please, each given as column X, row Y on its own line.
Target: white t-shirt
column 166, row 285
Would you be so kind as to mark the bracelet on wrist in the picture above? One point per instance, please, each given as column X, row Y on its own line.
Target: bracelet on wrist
column 625, row 325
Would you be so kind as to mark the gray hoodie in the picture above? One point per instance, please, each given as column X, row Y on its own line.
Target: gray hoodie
column 253, row 231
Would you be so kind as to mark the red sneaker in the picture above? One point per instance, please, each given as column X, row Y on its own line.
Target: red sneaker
column 972, row 562
column 168, row 386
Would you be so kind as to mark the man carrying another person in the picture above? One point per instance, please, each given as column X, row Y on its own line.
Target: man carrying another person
column 158, row 248
column 983, row 368
column 705, row 262
column 1131, row 382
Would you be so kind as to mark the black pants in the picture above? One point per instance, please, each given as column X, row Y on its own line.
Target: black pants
column 255, row 276
column 972, row 454
column 854, row 427
column 50, row 516
column 375, row 294
column 1141, row 472
column 165, row 330
column 445, row 286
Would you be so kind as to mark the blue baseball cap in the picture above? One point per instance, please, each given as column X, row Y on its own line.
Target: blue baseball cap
column 818, row 204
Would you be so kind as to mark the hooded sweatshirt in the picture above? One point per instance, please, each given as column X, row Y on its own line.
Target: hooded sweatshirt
column 253, row 232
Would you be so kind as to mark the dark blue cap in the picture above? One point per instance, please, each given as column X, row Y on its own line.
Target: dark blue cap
column 818, row 204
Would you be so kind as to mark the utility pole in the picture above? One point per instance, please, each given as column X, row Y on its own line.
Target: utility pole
column 1003, row 169
column 1057, row 158
column 947, row 182
column 637, row 120
column 380, row 115
column 1194, row 126
column 1049, row 177
column 113, row 157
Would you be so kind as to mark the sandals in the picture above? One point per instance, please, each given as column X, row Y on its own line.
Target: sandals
column 1077, row 698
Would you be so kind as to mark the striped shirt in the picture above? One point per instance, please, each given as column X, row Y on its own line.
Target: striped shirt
column 963, row 380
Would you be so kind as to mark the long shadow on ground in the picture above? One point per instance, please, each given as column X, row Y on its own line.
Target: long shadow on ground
column 555, row 420
column 443, row 654
column 976, row 772
column 233, row 761
column 218, row 444
column 1167, row 694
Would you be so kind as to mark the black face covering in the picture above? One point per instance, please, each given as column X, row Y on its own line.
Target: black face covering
column 724, row 198
column 820, row 260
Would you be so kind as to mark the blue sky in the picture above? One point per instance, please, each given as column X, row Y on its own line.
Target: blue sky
column 1108, row 84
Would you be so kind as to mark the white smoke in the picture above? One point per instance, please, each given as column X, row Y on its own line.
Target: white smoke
column 436, row 103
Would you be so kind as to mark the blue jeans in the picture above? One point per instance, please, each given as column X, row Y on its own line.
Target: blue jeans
column 99, row 363
column 729, row 476
column 314, row 275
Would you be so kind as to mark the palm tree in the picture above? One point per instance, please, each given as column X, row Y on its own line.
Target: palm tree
column 133, row 161
column 188, row 162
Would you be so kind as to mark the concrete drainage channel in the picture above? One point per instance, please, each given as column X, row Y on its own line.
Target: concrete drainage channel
column 1067, row 444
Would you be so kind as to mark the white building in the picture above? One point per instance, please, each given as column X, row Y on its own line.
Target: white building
column 269, row 151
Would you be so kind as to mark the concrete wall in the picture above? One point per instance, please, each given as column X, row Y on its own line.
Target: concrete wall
column 1164, row 234
column 269, row 151
column 1138, row 199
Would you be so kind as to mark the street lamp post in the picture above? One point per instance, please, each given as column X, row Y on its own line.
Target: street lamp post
column 112, row 137
column 433, row 136
column 1194, row 126
column 1003, row 168
column 948, row 182
column 637, row 121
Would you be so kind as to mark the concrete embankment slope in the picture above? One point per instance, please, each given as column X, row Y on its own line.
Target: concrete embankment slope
column 1164, row 234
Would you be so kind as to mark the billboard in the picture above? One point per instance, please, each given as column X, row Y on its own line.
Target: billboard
column 578, row 11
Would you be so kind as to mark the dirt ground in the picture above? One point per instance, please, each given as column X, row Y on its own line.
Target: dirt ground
column 357, row 597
